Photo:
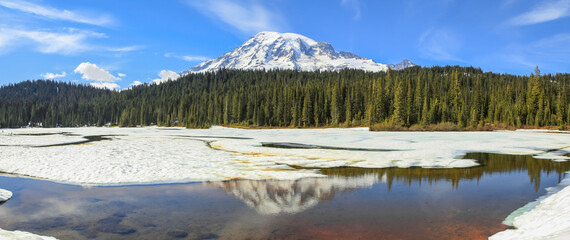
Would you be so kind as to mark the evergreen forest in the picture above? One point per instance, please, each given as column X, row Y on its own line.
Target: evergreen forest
column 465, row 97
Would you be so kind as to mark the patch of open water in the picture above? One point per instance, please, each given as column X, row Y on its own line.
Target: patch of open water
column 351, row 203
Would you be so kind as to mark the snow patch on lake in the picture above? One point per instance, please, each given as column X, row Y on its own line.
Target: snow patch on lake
column 5, row 195
column 158, row 155
column 546, row 218
column 19, row 235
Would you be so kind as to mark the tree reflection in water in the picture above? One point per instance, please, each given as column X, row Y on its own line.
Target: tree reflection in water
column 275, row 197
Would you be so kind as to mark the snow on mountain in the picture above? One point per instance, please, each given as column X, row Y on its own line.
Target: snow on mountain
column 272, row 50
column 404, row 64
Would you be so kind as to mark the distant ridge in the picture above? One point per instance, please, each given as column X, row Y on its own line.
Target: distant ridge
column 272, row 50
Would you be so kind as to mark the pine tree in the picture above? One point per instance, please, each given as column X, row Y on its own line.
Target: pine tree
column 561, row 106
column 399, row 106
column 335, row 111
column 307, row 112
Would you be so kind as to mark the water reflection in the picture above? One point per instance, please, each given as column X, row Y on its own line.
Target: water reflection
column 491, row 163
column 350, row 203
column 275, row 197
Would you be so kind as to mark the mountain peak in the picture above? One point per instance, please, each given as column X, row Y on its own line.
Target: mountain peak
column 404, row 64
column 269, row 37
column 272, row 50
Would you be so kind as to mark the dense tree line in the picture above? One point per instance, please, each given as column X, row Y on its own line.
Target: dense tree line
column 464, row 96
column 50, row 103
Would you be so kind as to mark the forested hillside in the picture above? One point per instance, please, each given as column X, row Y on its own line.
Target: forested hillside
column 466, row 97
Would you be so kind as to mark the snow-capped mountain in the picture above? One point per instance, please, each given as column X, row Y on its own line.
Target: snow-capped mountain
column 404, row 64
column 272, row 50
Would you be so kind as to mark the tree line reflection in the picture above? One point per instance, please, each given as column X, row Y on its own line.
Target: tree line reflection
column 270, row 197
column 491, row 163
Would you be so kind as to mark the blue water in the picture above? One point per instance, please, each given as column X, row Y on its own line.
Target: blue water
column 400, row 204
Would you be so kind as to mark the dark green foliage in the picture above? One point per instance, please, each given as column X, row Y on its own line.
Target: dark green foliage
column 466, row 97
column 50, row 103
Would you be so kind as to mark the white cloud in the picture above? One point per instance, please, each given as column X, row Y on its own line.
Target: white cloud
column 53, row 75
column 91, row 71
column 107, row 85
column 166, row 75
column 121, row 74
column 354, row 5
column 65, row 43
column 246, row 16
column 56, row 14
column 136, row 83
column 195, row 58
column 551, row 53
column 189, row 58
column 545, row 11
column 68, row 42
column 125, row 49
column 439, row 45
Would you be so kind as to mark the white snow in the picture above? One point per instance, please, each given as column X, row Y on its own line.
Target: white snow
column 19, row 235
column 272, row 50
column 152, row 154
column 546, row 218
column 5, row 195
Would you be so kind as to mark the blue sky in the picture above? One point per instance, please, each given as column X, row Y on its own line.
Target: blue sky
column 116, row 44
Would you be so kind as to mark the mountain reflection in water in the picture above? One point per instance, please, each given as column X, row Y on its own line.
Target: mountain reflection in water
column 278, row 196
column 275, row 197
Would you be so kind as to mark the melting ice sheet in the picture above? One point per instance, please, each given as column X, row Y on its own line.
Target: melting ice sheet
column 149, row 155
column 5, row 195
column 19, row 235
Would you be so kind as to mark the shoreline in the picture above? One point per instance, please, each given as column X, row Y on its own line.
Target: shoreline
column 380, row 127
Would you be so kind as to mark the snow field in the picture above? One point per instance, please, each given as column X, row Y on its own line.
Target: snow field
column 152, row 154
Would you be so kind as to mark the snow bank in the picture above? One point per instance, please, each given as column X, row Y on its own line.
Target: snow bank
column 5, row 195
column 154, row 155
column 546, row 218
column 19, row 235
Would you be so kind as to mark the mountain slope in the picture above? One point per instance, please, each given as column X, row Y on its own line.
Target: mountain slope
column 271, row 50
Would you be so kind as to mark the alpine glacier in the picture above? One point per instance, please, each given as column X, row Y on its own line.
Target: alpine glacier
column 272, row 50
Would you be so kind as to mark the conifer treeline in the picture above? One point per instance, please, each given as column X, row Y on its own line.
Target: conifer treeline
column 464, row 96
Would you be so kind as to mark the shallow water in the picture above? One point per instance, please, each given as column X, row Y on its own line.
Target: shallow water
column 352, row 203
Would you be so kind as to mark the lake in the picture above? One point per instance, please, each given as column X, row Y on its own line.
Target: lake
column 351, row 203
column 325, row 184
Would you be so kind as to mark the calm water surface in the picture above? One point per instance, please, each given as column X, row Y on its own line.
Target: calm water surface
column 351, row 203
